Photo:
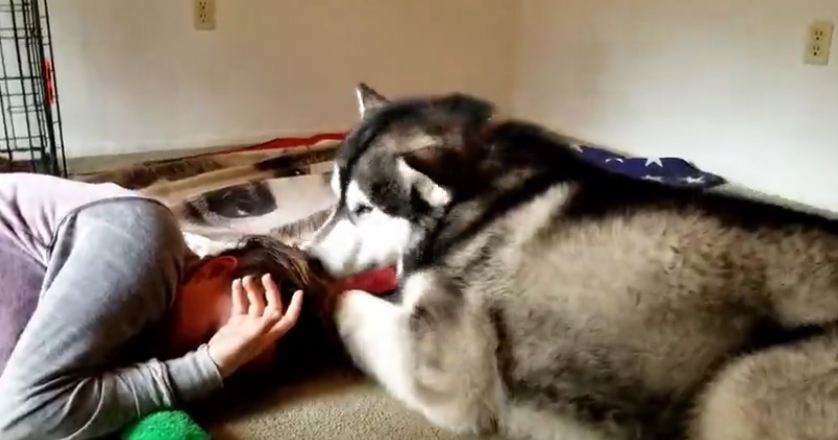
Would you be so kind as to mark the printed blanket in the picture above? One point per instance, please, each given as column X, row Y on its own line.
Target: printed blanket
column 279, row 188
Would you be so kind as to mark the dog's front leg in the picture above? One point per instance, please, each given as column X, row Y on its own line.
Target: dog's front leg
column 376, row 335
column 381, row 337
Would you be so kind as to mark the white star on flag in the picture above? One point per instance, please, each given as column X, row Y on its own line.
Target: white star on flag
column 654, row 160
column 655, row 178
column 693, row 180
column 576, row 147
column 618, row 159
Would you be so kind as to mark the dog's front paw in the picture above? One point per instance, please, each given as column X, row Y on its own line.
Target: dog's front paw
column 367, row 326
column 349, row 312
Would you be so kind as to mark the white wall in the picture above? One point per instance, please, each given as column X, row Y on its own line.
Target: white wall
column 134, row 75
column 721, row 82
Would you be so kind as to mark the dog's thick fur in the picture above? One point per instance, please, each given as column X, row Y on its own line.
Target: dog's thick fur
column 541, row 297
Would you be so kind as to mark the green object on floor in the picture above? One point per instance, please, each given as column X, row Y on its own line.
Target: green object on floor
column 166, row 425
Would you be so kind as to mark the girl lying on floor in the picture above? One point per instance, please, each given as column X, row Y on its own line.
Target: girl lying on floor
column 98, row 285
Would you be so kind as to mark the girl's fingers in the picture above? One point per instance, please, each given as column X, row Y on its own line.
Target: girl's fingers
column 289, row 318
column 254, row 296
column 239, row 299
column 272, row 293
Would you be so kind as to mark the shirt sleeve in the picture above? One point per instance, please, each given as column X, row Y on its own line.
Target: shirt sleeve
column 33, row 205
column 112, row 272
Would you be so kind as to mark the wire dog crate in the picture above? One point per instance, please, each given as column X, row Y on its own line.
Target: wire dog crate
column 31, row 138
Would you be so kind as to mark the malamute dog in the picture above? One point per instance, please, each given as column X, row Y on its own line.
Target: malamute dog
column 543, row 298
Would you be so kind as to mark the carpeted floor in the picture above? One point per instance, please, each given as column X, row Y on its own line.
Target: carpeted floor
column 337, row 406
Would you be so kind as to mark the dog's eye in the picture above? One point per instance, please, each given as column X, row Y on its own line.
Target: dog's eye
column 361, row 210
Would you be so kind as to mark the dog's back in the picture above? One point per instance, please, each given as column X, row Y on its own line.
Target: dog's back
column 614, row 298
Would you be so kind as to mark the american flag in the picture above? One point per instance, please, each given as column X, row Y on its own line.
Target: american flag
column 666, row 170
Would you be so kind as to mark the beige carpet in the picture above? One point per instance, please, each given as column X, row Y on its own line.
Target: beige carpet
column 333, row 406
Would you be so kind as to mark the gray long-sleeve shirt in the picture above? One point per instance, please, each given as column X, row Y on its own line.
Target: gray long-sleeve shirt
column 95, row 268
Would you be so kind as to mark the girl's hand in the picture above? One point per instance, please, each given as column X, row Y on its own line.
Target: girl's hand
column 256, row 323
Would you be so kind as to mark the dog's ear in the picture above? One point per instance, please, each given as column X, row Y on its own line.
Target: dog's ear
column 368, row 99
column 470, row 110
column 436, row 172
column 424, row 171
column 463, row 119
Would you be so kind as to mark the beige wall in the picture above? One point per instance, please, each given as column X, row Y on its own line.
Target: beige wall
column 134, row 75
column 719, row 81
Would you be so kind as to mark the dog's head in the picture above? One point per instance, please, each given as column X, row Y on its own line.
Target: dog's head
column 401, row 166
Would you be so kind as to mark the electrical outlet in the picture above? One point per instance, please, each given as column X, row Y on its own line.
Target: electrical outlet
column 819, row 43
column 203, row 14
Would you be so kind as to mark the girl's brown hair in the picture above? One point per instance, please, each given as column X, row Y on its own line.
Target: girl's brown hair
column 313, row 344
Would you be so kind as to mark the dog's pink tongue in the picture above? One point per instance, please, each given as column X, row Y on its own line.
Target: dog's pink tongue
column 377, row 282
